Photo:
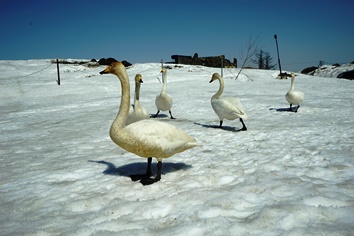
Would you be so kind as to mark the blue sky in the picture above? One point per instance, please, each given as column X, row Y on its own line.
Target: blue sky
column 148, row 31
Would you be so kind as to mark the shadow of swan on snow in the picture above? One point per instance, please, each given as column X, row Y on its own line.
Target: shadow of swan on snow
column 227, row 128
column 140, row 167
column 282, row 109
column 158, row 116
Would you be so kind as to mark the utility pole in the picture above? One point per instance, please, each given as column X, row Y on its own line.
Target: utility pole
column 281, row 75
column 276, row 42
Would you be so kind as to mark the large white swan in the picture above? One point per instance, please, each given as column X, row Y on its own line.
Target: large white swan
column 227, row 107
column 145, row 138
column 163, row 101
column 294, row 97
column 137, row 112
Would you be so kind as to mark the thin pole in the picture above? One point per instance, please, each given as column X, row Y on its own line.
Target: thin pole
column 58, row 81
column 276, row 41
column 163, row 79
column 222, row 65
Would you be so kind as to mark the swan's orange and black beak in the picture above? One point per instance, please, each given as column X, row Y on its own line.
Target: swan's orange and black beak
column 106, row 71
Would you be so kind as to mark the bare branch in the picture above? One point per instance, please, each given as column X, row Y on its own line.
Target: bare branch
column 247, row 54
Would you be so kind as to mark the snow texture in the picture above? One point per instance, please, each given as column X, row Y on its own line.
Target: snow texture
column 289, row 174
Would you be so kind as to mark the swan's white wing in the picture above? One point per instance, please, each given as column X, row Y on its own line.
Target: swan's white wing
column 300, row 96
column 295, row 97
column 151, row 138
column 229, row 108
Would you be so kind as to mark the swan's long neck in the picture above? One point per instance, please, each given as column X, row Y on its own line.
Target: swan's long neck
column 122, row 115
column 164, row 78
column 137, row 93
column 221, row 89
column 292, row 87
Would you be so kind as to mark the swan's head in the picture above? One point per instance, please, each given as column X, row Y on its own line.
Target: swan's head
column 292, row 75
column 115, row 68
column 215, row 77
column 138, row 78
column 163, row 70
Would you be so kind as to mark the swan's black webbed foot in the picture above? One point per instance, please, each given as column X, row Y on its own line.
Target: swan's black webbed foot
column 244, row 128
column 140, row 176
column 171, row 114
column 291, row 109
column 148, row 181
column 154, row 116
column 148, row 173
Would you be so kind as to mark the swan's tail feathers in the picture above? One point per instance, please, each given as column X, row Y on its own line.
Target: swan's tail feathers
column 244, row 116
column 240, row 112
column 190, row 145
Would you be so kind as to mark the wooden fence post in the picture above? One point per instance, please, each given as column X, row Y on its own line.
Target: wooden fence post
column 58, row 81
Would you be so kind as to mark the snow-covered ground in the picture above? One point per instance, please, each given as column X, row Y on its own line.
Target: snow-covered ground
column 289, row 174
column 332, row 70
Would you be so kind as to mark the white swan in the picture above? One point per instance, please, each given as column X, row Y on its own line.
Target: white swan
column 137, row 112
column 145, row 138
column 294, row 97
column 163, row 101
column 227, row 107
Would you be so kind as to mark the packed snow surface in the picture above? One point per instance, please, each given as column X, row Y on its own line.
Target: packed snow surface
column 288, row 174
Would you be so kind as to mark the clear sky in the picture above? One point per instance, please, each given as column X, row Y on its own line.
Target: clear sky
column 148, row 30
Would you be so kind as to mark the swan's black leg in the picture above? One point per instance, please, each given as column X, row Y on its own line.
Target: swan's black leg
column 146, row 175
column 148, row 169
column 244, row 128
column 220, row 125
column 171, row 114
column 148, row 181
column 159, row 169
column 291, row 109
column 298, row 106
column 153, row 116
